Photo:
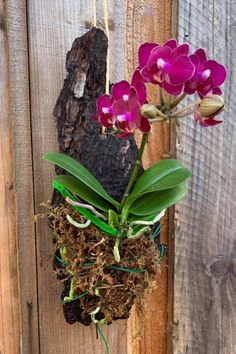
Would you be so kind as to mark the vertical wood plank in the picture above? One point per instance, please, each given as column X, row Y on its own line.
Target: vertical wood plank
column 52, row 28
column 205, row 240
column 19, row 94
column 9, row 294
column 150, row 21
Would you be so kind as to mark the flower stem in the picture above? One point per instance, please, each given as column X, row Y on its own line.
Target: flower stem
column 161, row 114
column 162, row 99
column 178, row 100
column 158, row 119
column 175, row 114
column 168, row 102
column 126, row 194
column 184, row 114
column 135, row 170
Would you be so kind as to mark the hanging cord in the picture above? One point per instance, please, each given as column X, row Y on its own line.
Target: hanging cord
column 105, row 15
column 94, row 13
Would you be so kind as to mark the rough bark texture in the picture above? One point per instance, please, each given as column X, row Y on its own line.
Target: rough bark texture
column 108, row 158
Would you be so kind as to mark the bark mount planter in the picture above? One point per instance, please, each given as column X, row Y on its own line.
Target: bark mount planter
column 100, row 283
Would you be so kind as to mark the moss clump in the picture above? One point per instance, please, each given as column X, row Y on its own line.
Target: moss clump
column 84, row 259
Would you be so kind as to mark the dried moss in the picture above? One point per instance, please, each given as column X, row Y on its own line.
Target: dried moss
column 86, row 256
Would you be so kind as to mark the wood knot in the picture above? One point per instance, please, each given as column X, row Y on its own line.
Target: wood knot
column 29, row 304
column 219, row 266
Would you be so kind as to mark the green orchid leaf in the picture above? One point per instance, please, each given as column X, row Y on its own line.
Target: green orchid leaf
column 77, row 170
column 155, row 202
column 163, row 175
column 83, row 191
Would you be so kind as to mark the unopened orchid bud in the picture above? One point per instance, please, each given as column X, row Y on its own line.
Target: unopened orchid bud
column 149, row 111
column 211, row 105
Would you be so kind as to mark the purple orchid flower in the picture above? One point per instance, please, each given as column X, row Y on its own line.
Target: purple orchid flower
column 128, row 114
column 168, row 65
column 122, row 88
column 105, row 114
column 123, row 107
column 208, row 76
column 206, row 121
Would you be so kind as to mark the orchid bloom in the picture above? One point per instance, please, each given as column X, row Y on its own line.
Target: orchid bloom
column 105, row 114
column 168, row 65
column 208, row 76
column 172, row 68
column 128, row 114
column 123, row 107
column 122, row 88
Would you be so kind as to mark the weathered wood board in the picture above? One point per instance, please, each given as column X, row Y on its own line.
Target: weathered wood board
column 52, row 29
column 19, row 91
column 205, row 230
column 151, row 21
column 9, row 294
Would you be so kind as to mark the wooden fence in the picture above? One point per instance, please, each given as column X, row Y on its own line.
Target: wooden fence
column 193, row 311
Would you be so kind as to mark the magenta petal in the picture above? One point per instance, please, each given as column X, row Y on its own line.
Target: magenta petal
column 216, row 91
column 173, row 90
column 145, row 126
column 120, row 107
column 190, row 87
column 209, row 122
column 181, row 70
column 205, row 122
column 124, row 117
column 106, row 121
column 218, row 72
column 135, row 111
column 137, row 77
column 195, row 60
column 103, row 101
column 142, row 92
column 158, row 52
column 144, row 52
column 171, row 43
column 133, row 94
column 206, row 87
column 147, row 75
column 119, row 89
column 127, row 126
column 183, row 49
column 201, row 54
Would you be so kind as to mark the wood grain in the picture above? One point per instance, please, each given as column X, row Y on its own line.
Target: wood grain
column 9, row 294
column 19, row 94
column 52, row 28
column 205, row 237
column 150, row 21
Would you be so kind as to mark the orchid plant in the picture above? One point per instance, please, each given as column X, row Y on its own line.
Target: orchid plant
column 177, row 74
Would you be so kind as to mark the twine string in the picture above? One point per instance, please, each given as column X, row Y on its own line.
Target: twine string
column 105, row 15
column 95, row 13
